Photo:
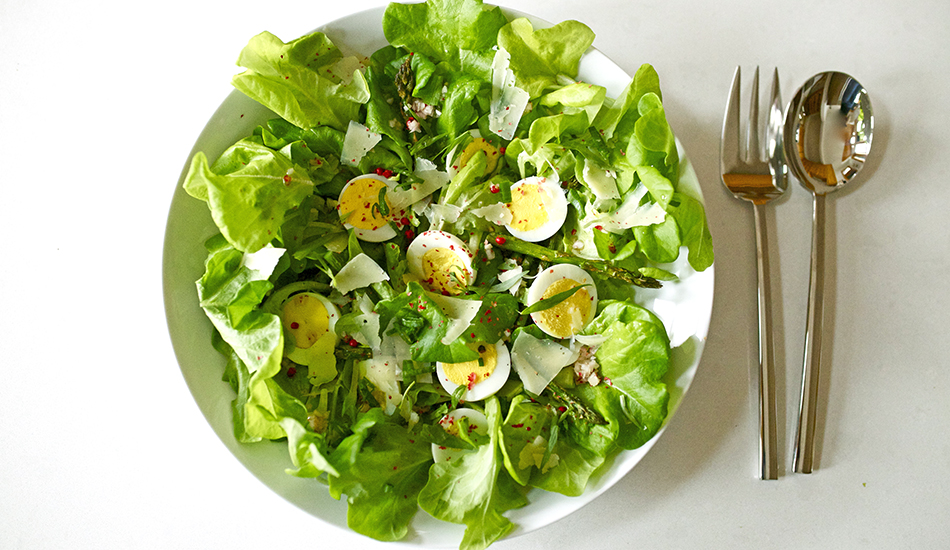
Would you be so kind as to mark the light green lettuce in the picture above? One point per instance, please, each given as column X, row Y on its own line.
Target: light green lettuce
column 536, row 453
column 306, row 81
column 475, row 489
column 633, row 359
column 230, row 294
column 249, row 189
column 443, row 30
column 542, row 58
column 381, row 468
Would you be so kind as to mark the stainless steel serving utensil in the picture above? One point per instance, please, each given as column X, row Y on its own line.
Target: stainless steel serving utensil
column 828, row 127
column 757, row 174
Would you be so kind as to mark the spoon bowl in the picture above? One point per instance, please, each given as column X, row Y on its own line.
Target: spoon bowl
column 828, row 128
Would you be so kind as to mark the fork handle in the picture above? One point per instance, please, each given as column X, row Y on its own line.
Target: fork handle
column 768, row 459
column 804, row 453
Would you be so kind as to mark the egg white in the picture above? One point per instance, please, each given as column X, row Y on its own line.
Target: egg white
column 475, row 419
column 554, row 204
column 384, row 231
column 318, row 356
column 488, row 387
column 433, row 240
column 551, row 275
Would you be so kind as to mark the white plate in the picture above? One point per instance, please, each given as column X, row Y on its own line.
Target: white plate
column 685, row 307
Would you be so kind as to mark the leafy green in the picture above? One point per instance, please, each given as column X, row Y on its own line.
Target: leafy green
column 249, row 191
column 229, row 292
column 633, row 359
column 381, row 470
column 475, row 489
column 418, row 319
column 540, row 57
column 443, row 29
column 305, row 81
column 694, row 231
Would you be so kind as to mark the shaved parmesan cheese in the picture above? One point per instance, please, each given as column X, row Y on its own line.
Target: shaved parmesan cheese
column 630, row 214
column 359, row 272
column 592, row 340
column 433, row 179
column 509, row 280
column 358, row 141
column 460, row 312
column 344, row 69
column 508, row 101
column 602, row 182
column 264, row 260
column 381, row 371
column 537, row 361
column 497, row 213
column 368, row 320
column 439, row 213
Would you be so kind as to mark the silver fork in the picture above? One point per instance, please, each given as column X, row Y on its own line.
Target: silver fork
column 757, row 174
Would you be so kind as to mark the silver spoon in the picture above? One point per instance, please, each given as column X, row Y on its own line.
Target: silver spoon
column 828, row 127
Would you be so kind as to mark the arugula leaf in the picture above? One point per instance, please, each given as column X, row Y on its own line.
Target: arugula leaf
column 308, row 450
column 548, row 303
column 422, row 324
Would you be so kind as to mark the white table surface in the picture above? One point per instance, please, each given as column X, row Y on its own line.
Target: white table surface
column 102, row 446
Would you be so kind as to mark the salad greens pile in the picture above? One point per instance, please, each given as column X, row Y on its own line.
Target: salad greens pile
column 456, row 76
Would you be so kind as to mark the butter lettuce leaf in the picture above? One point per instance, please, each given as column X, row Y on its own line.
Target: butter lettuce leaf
column 381, row 468
column 537, row 455
column 633, row 360
column 230, row 294
column 540, row 58
column 690, row 216
column 443, row 30
column 306, row 81
column 249, row 190
column 475, row 489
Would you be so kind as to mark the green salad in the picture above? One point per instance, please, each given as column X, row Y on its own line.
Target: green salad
column 426, row 274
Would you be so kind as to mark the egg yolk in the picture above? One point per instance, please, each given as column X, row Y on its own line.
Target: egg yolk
column 470, row 373
column 480, row 144
column 306, row 318
column 566, row 318
column 528, row 207
column 443, row 271
column 358, row 202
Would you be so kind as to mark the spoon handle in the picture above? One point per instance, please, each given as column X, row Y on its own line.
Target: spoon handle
column 768, row 457
column 804, row 453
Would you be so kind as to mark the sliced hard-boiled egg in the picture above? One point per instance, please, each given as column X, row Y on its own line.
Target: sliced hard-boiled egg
column 451, row 423
column 456, row 160
column 310, row 318
column 441, row 261
column 482, row 377
column 570, row 316
column 360, row 210
column 538, row 208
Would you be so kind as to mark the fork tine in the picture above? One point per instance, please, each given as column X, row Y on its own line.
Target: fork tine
column 776, row 145
column 775, row 118
column 754, row 150
column 729, row 146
